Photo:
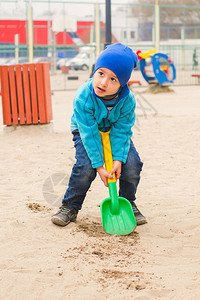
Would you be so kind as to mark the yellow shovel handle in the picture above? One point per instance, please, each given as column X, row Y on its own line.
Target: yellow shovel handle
column 107, row 153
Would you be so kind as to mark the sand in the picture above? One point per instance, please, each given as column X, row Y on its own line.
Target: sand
column 159, row 260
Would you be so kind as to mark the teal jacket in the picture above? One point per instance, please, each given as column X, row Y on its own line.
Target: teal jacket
column 90, row 115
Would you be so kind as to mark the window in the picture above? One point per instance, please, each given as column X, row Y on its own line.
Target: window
column 132, row 34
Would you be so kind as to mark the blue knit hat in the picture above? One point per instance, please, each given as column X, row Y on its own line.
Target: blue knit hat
column 120, row 59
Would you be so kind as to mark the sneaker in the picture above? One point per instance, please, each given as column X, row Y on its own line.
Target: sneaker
column 140, row 219
column 64, row 216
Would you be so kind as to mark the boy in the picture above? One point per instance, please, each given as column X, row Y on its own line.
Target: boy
column 104, row 102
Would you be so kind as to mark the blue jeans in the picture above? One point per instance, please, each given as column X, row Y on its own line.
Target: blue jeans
column 83, row 174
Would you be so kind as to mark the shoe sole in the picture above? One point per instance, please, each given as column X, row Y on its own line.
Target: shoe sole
column 141, row 222
column 60, row 222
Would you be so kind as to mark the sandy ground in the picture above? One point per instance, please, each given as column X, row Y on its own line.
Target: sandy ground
column 159, row 260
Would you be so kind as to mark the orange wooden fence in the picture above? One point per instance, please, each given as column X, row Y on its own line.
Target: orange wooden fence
column 26, row 94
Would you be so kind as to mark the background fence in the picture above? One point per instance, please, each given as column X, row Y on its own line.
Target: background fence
column 66, row 30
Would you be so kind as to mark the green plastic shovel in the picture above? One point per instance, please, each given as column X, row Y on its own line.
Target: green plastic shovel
column 116, row 212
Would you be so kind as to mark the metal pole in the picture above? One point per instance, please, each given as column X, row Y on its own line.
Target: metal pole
column 91, row 48
column 183, row 47
column 183, row 40
column 30, row 34
column 49, row 31
column 157, row 25
column 122, row 35
column 17, row 48
column 108, row 40
column 54, row 52
column 97, row 30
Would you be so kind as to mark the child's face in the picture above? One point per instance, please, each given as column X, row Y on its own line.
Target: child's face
column 105, row 82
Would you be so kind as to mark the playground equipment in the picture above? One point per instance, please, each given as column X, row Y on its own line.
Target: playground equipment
column 195, row 59
column 156, row 67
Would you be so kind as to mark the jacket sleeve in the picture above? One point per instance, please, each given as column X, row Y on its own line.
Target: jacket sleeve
column 88, row 128
column 121, row 131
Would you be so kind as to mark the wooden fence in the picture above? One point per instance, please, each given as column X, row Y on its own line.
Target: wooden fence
column 26, row 94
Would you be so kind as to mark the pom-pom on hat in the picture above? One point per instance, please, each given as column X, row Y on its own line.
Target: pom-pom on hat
column 120, row 59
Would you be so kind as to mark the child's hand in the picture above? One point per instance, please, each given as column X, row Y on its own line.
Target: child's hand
column 117, row 166
column 104, row 175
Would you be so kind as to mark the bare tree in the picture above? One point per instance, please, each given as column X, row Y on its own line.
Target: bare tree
column 170, row 15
